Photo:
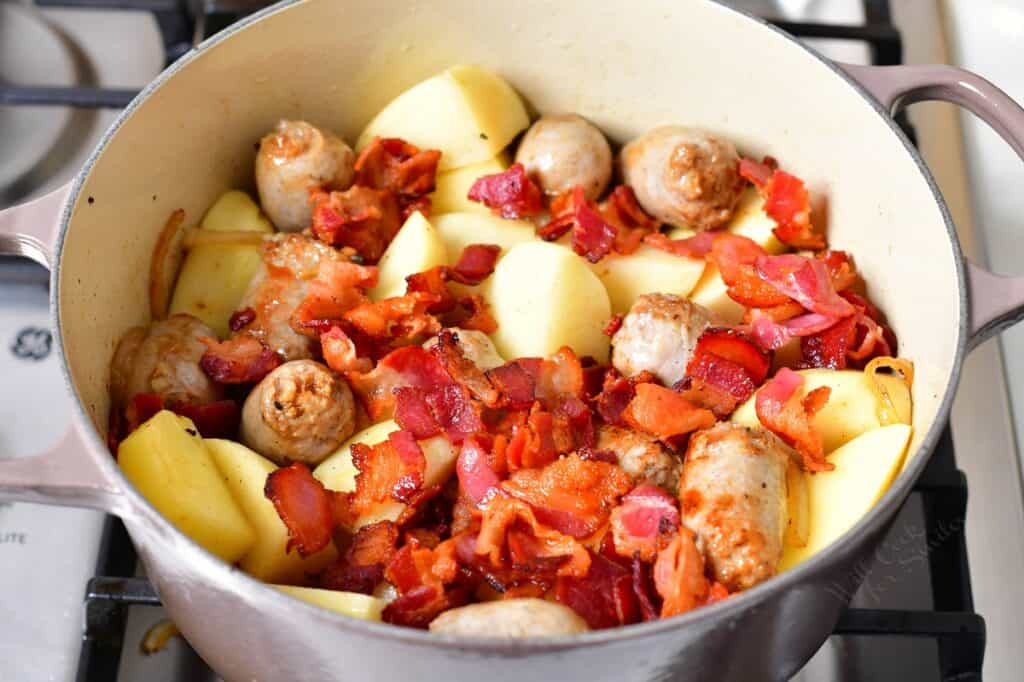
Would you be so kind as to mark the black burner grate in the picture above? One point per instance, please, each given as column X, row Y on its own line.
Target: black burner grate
column 958, row 631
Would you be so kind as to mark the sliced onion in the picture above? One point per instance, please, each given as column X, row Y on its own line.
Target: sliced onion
column 798, row 506
column 892, row 390
column 163, row 268
column 158, row 636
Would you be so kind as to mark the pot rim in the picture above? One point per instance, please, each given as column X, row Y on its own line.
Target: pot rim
column 139, row 510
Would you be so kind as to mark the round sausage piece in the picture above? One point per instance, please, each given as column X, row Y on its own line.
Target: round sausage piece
column 163, row 358
column 684, row 177
column 642, row 456
column 475, row 345
column 510, row 618
column 300, row 412
column 292, row 158
column 733, row 496
column 562, row 151
column 659, row 334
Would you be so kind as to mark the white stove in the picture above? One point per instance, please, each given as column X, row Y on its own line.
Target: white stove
column 47, row 555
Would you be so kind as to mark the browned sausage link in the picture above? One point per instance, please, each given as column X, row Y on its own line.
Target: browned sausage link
column 510, row 618
column 733, row 496
column 300, row 412
column 640, row 455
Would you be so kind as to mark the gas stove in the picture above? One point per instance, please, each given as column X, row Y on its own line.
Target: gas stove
column 74, row 604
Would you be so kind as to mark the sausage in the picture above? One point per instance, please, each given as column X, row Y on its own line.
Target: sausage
column 510, row 618
column 292, row 158
column 163, row 358
column 659, row 334
column 475, row 345
column 300, row 412
column 733, row 496
column 561, row 151
column 684, row 177
column 280, row 284
column 641, row 456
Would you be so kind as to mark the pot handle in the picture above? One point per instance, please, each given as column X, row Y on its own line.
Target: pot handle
column 996, row 302
column 65, row 474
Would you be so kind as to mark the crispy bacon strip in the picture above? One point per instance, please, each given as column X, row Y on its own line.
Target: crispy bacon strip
column 413, row 414
column 214, row 420
column 572, row 495
column 592, row 236
column 338, row 287
column 390, row 470
column 435, row 282
column 729, row 360
column 340, row 352
column 362, row 567
column 632, row 224
column 362, row 218
column 510, row 194
column 475, row 264
column 772, row 335
column 304, row 506
column 604, row 597
column 463, row 370
column 679, row 575
column 786, row 202
column 477, row 315
column 664, row 413
column 829, row 347
column 240, row 319
column 391, row 163
column 560, row 377
column 807, row 281
column 504, row 514
column 644, row 522
column 533, row 442
column 242, row 359
column 781, row 410
column 516, row 381
column 400, row 320
column 476, row 477
column 616, row 394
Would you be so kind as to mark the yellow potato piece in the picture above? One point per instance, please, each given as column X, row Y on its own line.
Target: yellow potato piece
column 750, row 222
column 865, row 467
column 338, row 472
column 646, row 271
column 852, row 408
column 166, row 460
column 350, row 604
column 543, row 297
column 452, row 187
column 214, row 277
column 245, row 474
column 416, row 247
column 467, row 112
column 459, row 230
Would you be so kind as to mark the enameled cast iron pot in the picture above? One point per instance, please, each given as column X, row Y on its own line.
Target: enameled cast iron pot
column 628, row 67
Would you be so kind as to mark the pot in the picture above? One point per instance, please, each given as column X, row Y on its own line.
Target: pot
column 628, row 67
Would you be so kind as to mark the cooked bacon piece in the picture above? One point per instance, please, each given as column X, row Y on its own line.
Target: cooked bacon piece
column 731, row 251
column 408, row 366
column 830, row 347
column 563, row 217
column 716, row 593
column 213, row 420
column 786, row 202
column 604, row 597
column 476, row 477
column 435, row 282
column 239, row 360
column 401, row 320
column 340, row 352
column 679, row 575
column 560, row 377
column 422, row 577
column 572, row 495
column 475, row 264
column 533, row 442
column 508, row 521
column 841, row 269
column 613, row 325
column 623, row 212
column 697, row 246
column 477, row 315
column 517, row 382
column 362, row 567
column 463, row 370
column 720, row 343
column 664, row 413
column 305, row 507
column 592, row 236
column 391, row 163
column 141, row 408
column 454, row 411
column 643, row 523
column 573, row 423
column 750, row 290
column 781, row 410
column 338, row 287
column 413, row 413
column 362, row 218
column 872, row 338
column 771, row 335
column 240, row 318
column 510, row 194
column 390, row 470
column 720, row 401
column 616, row 394
column 643, row 588
column 806, row 281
